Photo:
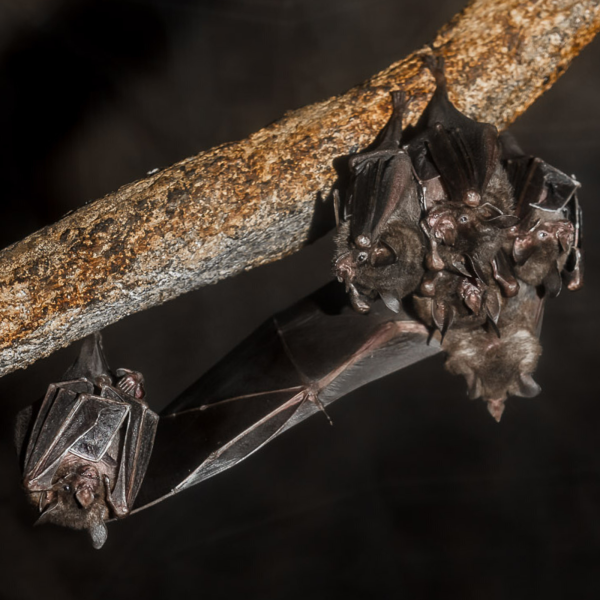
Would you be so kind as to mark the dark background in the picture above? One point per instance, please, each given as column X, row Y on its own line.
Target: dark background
column 415, row 492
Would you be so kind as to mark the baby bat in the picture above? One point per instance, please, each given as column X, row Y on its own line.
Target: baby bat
column 89, row 445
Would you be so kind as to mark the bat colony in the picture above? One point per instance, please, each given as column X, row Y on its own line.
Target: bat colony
column 452, row 226
column 478, row 233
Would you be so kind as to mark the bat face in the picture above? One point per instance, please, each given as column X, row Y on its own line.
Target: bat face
column 89, row 445
column 493, row 221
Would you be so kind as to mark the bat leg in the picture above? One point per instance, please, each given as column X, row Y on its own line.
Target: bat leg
column 314, row 398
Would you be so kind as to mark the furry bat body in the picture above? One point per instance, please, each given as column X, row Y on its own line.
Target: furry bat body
column 89, row 444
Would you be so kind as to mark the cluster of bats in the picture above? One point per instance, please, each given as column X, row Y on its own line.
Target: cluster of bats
column 476, row 233
column 444, row 226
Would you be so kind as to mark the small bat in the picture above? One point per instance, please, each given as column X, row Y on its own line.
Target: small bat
column 547, row 247
column 466, row 225
column 89, row 445
column 380, row 247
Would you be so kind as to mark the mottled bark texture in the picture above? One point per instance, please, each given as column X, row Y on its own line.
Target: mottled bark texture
column 251, row 202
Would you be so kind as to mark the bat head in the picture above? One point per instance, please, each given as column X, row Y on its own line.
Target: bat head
column 390, row 265
column 544, row 237
column 493, row 367
column 77, row 499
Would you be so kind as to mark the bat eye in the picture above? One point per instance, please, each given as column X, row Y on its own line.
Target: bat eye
column 362, row 257
column 67, row 488
column 382, row 256
column 542, row 235
column 463, row 219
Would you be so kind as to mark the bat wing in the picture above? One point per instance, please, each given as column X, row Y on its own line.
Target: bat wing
column 381, row 183
column 291, row 367
column 380, row 178
column 71, row 419
column 463, row 151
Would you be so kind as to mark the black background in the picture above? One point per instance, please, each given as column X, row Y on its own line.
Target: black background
column 415, row 492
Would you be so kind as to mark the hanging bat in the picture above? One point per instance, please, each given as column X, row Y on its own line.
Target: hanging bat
column 466, row 226
column 293, row 366
column 380, row 246
column 547, row 247
column 89, row 445
column 498, row 365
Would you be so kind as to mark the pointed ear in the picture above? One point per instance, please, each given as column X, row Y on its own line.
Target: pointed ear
column 391, row 300
column 475, row 388
column 45, row 516
column 528, row 388
column 565, row 236
column 98, row 533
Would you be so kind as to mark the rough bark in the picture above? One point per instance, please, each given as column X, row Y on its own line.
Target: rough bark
column 243, row 204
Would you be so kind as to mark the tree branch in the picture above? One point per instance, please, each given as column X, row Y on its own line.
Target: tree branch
column 247, row 203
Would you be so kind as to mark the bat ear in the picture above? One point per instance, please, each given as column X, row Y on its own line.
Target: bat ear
column 98, row 533
column 475, row 388
column 528, row 388
column 91, row 362
column 553, row 283
column 391, row 300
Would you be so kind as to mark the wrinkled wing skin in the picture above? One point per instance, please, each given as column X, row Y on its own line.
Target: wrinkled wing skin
column 464, row 152
column 73, row 419
column 137, row 447
column 379, row 180
column 70, row 420
column 294, row 364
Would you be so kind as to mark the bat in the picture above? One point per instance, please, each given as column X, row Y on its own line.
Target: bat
column 547, row 246
column 466, row 225
column 498, row 365
column 89, row 445
column 295, row 365
column 380, row 249
column 428, row 209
